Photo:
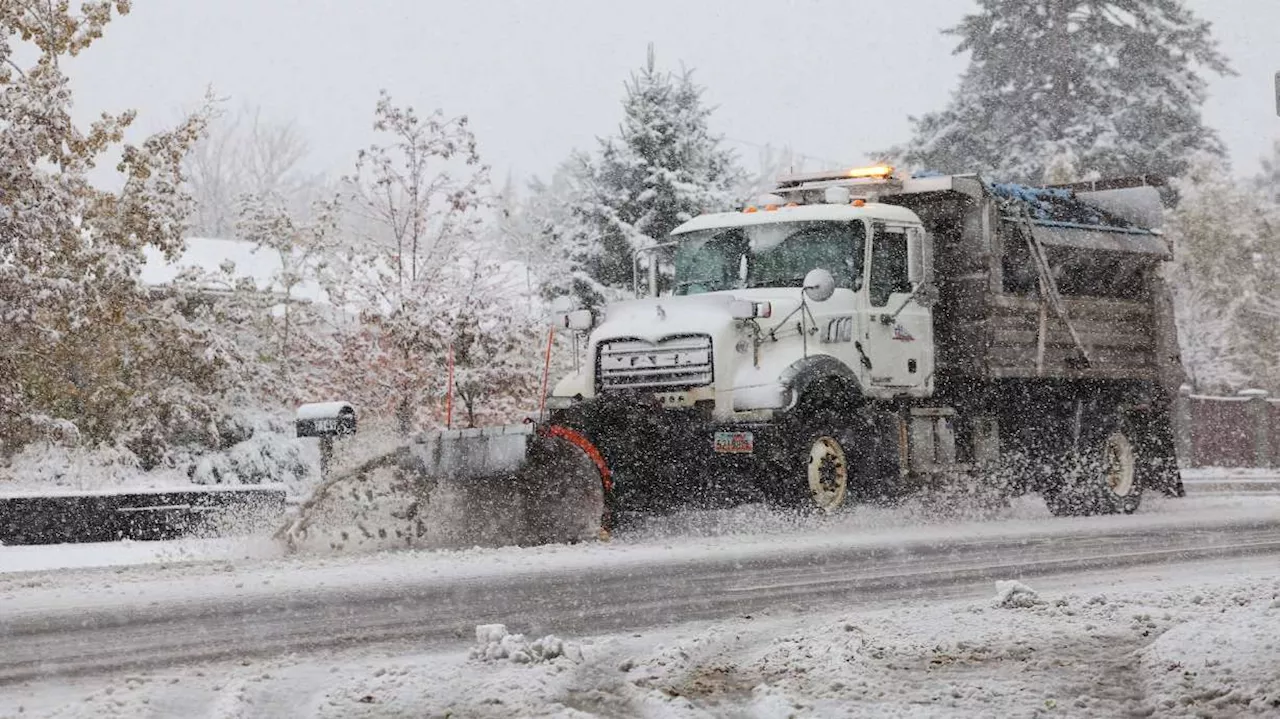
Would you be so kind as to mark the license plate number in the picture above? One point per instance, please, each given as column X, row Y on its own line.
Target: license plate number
column 734, row 442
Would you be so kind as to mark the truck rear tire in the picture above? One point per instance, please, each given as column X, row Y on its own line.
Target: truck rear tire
column 1106, row 476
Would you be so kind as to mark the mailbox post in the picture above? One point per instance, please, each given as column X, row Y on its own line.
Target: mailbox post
column 326, row 420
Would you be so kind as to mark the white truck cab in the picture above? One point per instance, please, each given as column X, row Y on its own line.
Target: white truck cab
column 736, row 326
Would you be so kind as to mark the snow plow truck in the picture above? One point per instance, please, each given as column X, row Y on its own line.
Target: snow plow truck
column 856, row 336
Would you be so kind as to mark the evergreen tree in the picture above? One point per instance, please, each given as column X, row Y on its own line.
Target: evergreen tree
column 662, row 168
column 1117, row 84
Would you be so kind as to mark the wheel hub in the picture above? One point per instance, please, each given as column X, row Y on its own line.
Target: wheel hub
column 1118, row 464
column 828, row 473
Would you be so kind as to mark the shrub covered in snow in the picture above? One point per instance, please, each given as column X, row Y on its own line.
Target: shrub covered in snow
column 268, row 456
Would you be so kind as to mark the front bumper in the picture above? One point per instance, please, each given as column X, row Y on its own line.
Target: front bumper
column 669, row 458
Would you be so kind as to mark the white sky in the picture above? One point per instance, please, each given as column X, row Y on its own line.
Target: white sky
column 833, row 79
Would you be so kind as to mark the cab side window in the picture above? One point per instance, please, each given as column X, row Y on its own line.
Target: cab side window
column 889, row 265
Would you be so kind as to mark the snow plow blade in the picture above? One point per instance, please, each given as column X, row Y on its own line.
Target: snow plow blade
column 536, row 483
column 519, row 484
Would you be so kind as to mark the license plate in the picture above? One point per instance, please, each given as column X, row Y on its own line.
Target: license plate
column 734, row 442
column 326, row 425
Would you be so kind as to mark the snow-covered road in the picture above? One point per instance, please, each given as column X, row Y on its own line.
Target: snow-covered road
column 1197, row 639
column 116, row 619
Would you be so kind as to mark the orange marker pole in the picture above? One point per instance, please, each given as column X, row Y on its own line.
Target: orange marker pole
column 448, row 398
column 546, row 375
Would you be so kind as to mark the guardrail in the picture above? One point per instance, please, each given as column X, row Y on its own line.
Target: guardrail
column 1231, row 485
column 142, row 515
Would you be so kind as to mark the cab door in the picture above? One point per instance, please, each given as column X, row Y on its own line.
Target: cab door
column 898, row 331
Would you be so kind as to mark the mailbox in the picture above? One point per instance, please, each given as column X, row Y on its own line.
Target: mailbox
column 326, row 419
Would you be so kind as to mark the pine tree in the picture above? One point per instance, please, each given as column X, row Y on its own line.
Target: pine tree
column 1117, row 83
column 662, row 168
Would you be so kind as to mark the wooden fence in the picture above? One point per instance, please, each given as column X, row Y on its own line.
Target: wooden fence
column 1239, row 431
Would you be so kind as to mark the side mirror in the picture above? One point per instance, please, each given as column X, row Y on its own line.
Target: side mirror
column 326, row 419
column 819, row 285
column 575, row 321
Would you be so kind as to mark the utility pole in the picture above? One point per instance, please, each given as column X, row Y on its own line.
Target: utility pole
column 1278, row 93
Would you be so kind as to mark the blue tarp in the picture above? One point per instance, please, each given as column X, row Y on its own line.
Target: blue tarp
column 1056, row 205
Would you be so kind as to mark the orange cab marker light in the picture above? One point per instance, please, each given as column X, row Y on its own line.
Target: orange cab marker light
column 792, row 204
column 751, row 209
column 770, row 208
column 859, row 203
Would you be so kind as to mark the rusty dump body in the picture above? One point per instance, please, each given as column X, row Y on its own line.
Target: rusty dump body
column 1054, row 321
column 993, row 321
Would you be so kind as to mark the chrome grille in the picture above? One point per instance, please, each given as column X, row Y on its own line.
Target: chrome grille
column 672, row 363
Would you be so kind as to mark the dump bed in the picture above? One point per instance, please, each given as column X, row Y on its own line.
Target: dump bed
column 1058, row 282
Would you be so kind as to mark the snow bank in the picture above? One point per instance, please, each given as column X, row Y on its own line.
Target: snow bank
column 270, row 454
column 1224, row 662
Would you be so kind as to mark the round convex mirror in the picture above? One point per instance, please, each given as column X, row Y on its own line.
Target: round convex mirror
column 819, row 285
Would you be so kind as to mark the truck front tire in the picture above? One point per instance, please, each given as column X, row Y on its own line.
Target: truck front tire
column 820, row 465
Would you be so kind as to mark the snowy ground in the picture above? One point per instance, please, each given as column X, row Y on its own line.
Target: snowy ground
column 1189, row 640
column 1193, row 639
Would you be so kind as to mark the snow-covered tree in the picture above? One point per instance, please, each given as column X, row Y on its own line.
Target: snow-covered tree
column 416, row 201
column 291, row 327
column 88, row 353
column 544, row 230
column 498, row 343
column 662, row 168
column 773, row 162
column 1119, row 83
column 1268, row 180
column 1226, row 252
column 245, row 153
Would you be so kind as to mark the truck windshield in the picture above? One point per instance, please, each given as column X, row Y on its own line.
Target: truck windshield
column 775, row 255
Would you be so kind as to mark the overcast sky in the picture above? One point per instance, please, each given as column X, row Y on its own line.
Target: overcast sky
column 833, row 79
